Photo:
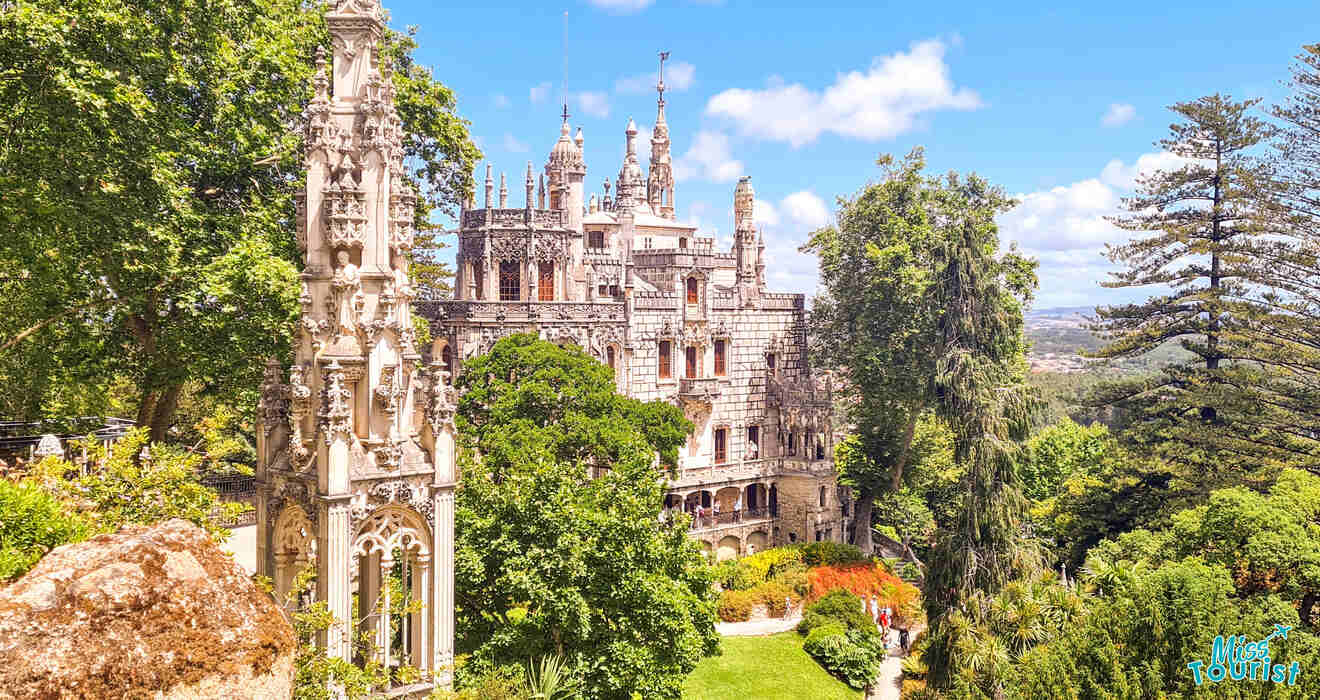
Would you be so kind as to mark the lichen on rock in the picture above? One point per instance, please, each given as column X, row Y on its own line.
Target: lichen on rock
column 146, row 612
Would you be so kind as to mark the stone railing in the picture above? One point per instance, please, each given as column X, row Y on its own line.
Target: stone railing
column 783, row 302
column 512, row 218
column 745, row 516
column 713, row 474
column 702, row 389
column 540, row 311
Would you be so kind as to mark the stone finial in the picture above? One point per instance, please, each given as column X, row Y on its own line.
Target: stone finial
column 490, row 186
column 504, row 192
column 578, row 140
column 540, row 191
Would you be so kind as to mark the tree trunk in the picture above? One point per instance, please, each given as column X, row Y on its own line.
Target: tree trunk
column 899, row 464
column 862, row 520
column 163, row 415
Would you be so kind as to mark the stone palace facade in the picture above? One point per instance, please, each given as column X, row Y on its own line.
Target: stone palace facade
column 677, row 320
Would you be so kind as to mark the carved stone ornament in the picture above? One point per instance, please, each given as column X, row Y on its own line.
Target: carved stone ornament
column 696, row 334
column 300, row 400
column 403, row 209
column 508, row 248
column 336, row 412
column 440, row 401
column 273, row 406
column 300, row 218
column 345, row 212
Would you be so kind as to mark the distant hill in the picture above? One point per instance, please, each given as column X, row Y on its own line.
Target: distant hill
column 1059, row 337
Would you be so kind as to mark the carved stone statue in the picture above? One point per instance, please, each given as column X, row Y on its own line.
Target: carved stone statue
column 348, row 293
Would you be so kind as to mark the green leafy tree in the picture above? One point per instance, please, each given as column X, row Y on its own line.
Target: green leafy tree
column 148, row 160
column 561, row 546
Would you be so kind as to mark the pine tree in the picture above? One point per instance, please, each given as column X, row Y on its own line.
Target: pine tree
column 1209, row 232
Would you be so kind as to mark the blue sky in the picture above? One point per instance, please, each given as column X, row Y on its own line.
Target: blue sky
column 1060, row 106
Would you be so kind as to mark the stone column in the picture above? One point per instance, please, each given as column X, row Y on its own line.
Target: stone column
column 383, row 618
column 442, row 585
column 421, row 633
column 333, row 563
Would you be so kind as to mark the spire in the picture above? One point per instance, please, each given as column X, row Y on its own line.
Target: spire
column 531, row 185
column 660, row 180
column 504, row 192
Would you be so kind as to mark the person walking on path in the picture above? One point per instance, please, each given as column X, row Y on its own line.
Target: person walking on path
column 903, row 640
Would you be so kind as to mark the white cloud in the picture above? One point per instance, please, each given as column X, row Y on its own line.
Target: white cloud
column 1116, row 174
column 1066, row 230
column 501, row 101
column 596, row 104
column 622, row 5
column 806, row 210
column 513, row 145
column 709, row 158
column 679, row 76
column 764, row 213
column 539, row 92
column 880, row 103
column 1118, row 114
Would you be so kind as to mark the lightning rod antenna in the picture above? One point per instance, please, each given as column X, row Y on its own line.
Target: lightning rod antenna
column 563, row 89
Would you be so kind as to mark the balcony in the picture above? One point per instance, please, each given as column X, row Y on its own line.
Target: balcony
column 698, row 389
column 747, row 516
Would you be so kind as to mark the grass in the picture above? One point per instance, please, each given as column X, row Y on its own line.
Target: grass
column 764, row 668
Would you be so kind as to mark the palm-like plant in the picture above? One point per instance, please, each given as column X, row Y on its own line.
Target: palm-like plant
column 552, row 679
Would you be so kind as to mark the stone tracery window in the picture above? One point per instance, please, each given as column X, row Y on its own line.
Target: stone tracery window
column 294, row 546
column 393, row 546
column 510, row 281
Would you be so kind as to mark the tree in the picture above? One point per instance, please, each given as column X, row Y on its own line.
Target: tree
column 874, row 322
column 1209, row 232
column 561, row 548
column 149, row 160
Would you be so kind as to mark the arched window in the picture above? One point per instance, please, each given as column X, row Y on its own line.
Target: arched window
column 447, row 359
column 822, row 497
column 692, row 290
column 682, row 243
column 609, row 356
column 510, row 281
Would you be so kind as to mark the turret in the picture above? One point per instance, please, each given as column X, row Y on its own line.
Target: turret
column 631, row 188
column 565, row 170
column 746, row 250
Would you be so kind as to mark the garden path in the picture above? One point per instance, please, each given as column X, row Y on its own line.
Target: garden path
column 757, row 628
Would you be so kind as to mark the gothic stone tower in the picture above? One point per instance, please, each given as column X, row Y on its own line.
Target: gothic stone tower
column 355, row 466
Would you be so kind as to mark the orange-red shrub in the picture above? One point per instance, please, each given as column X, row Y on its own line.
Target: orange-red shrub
column 866, row 580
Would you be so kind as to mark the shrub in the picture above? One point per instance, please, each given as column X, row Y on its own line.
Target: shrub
column 867, row 580
column 32, row 522
column 725, row 573
column 736, row 606
column 817, row 636
column 839, row 606
column 795, row 577
column 852, row 657
column 772, row 594
column 831, row 554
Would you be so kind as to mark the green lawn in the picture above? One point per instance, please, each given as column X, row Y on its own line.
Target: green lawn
column 764, row 668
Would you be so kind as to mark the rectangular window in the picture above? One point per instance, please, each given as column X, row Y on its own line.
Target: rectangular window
column 597, row 239
column 510, row 281
column 792, row 444
column 545, row 284
column 691, row 361
column 614, row 290
column 721, row 445
column 753, row 441
column 609, row 356
column 692, row 290
column 770, row 364
column 602, row 290
column 665, row 371
column 719, row 358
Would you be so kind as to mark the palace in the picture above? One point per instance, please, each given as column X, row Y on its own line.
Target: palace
column 676, row 319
